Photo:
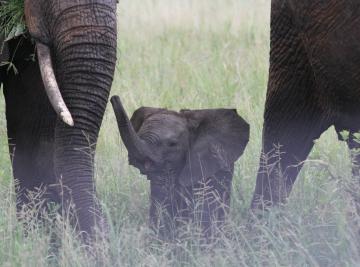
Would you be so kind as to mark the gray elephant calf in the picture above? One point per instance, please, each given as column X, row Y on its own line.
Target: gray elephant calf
column 188, row 156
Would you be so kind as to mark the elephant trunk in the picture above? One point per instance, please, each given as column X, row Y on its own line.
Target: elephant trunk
column 84, row 52
column 132, row 141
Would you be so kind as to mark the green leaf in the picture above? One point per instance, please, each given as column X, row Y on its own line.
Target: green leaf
column 12, row 21
column 345, row 135
column 11, row 66
column 357, row 137
column 15, row 32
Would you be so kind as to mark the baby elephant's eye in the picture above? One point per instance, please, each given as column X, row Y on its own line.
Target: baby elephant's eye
column 172, row 143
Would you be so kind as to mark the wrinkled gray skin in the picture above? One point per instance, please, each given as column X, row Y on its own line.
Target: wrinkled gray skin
column 188, row 156
column 314, row 83
column 45, row 151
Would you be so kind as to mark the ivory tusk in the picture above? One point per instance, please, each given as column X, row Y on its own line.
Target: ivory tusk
column 51, row 85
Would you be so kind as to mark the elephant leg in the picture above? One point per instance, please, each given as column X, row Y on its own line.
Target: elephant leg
column 162, row 211
column 287, row 140
column 30, row 126
column 184, row 208
column 213, row 201
column 207, row 205
column 293, row 117
column 222, row 185
column 280, row 165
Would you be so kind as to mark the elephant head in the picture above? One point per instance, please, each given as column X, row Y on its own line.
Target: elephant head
column 180, row 150
column 75, row 45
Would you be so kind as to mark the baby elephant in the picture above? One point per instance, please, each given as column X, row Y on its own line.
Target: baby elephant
column 188, row 156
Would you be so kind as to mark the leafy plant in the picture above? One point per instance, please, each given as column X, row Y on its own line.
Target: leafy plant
column 10, row 66
column 12, row 23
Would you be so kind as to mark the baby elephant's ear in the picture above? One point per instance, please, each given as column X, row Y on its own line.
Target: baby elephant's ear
column 219, row 137
column 141, row 114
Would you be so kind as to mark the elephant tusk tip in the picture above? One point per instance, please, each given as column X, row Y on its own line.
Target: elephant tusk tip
column 67, row 118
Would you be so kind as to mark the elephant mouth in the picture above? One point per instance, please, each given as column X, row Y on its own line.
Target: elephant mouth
column 157, row 179
column 154, row 174
column 144, row 166
column 164, row 178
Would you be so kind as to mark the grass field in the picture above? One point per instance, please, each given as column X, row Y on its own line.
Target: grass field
column 198, row 54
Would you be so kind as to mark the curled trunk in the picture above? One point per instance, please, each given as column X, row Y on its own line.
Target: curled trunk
column 132, row 142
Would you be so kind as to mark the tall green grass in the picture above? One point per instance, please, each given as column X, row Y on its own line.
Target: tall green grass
column 197, row 54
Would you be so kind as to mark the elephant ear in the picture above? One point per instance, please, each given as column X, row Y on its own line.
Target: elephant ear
column 219, row 137
column 141, row 114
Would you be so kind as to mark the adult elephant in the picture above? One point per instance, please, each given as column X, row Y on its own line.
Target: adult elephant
column 56, row 101
column 314, row 83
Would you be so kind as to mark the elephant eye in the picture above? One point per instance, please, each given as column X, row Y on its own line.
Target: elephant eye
column 172, row 144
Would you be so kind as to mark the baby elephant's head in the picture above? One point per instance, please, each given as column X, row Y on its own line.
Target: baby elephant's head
column 182, row 147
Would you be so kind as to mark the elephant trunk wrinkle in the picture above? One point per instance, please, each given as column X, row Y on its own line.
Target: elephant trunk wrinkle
column 86, row 96
column 131, row 140
column 74, row 158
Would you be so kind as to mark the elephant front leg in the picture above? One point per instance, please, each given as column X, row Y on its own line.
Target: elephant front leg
column 212, row 203
column 30, row 128
column 288, row 137
column 222, row 195
column 163, row 211
column 293, row 117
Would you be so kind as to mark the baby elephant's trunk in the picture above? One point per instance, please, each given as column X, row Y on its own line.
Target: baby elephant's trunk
column 134, row 145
